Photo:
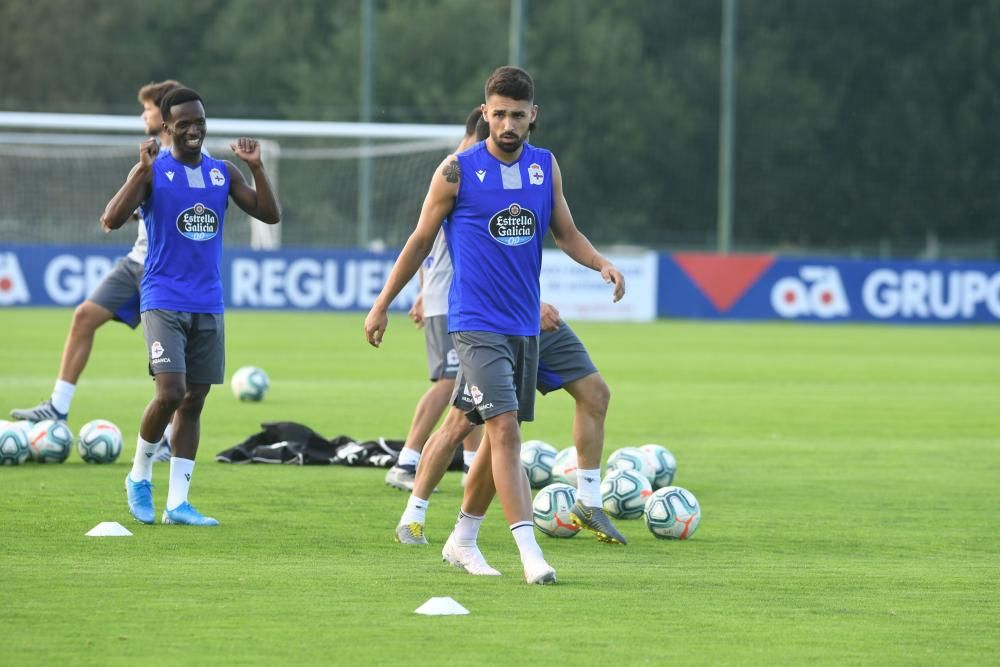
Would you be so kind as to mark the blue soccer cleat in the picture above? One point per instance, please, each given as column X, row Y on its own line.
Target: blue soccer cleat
column 140, row 500
column 186, row 515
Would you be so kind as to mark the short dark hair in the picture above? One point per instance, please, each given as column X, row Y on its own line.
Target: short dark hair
column 175, row 97
column 472, row 121
column 512, row 82
column 155, row 90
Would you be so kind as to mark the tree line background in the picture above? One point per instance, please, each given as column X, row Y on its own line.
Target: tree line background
column 862, row 127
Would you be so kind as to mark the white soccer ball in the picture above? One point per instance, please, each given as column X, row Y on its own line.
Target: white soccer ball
column 672, row 513
column 50, row 441
column 550, row 510
column 99, row 441
column 624, row 493
column 632, row 458
column 537, row 458
column 13, row 444
column 564, row 467
column 250, row 384
column 664, row 463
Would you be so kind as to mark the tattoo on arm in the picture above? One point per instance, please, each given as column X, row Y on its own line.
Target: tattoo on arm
column 452, row 172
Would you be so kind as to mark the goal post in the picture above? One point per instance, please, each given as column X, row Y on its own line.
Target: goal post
column 59, row 170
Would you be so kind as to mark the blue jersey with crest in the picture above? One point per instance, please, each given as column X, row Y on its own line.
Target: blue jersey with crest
column 184, row 214
column 495, row 234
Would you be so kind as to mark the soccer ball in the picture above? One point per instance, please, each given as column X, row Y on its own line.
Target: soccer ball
column 13, row 444
column 672, row 513
column 632, row 458
column 624, row 493
column 100, row 441
column 536, row 459
column 250, row 384
column 664, row 462
column 564, row 467
column 551, row 510
column 50, row 441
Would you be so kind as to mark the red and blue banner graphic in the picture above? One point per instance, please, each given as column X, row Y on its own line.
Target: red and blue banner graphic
column 768, row 287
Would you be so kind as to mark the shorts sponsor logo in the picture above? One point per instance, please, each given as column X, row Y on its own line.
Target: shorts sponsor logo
column 477, row 396
column 513, row 226
column 535, row 174
column 452, row 357
column 156, row 350
column 162, row 360
column 13, row 288
column 216, row 177
column 817, row 291
column 198, row 223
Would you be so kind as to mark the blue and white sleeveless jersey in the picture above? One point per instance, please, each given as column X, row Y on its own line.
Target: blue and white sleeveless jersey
column 184, row 217
column 495, row 234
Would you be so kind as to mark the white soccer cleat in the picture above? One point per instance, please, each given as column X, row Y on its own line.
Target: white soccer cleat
column 540, row 573
column 469, row 559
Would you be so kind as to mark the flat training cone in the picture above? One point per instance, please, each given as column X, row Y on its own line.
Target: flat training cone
column 109, row 529
column 441, row 607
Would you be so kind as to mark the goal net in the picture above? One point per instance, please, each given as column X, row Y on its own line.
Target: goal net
column 339, row 184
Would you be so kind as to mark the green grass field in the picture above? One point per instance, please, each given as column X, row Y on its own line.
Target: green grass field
column 849, row 478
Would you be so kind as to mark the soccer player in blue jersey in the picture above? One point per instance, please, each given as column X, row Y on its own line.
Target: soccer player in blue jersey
column 184, row 196
column 500, row 198
column 116, row 297
column 563, row 363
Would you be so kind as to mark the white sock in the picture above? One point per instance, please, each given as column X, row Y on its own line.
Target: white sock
column 167, row 431
column 588, row 487
column 467, row 529
column 415, row 512
column 467, row 457
column 180, row 481
column 408, row 457
column 524, row 536
column 142, row 464
column 62, row 396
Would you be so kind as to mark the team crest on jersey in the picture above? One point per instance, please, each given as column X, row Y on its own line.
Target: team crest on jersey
column 198, row 223
column 217, row 177
column 535, row 174
column 513, row 225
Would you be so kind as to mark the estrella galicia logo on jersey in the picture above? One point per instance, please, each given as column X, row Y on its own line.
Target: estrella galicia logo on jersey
column 198, row 223
column 513, row 225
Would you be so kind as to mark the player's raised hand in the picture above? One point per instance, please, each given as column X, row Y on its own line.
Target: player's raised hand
column 148, row 150
column 247, row 149
column 614, row 276
column 375, row 325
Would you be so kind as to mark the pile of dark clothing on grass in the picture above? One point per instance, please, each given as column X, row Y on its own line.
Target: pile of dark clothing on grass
column 297, row 444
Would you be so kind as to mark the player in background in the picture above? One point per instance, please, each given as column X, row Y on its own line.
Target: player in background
column 184, row 196
column 115, row 298
column 500, row 198
column 430, row 310
column 563, row 364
